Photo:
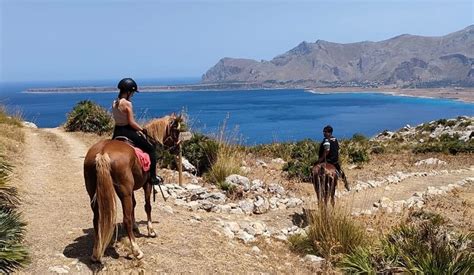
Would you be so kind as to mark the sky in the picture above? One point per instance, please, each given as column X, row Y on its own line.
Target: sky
column 104, row 39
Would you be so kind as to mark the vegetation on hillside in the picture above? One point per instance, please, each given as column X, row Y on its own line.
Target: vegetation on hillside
column 12, row 229
column 89, row 117
column 422, row 243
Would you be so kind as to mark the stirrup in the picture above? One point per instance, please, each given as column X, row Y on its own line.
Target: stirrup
column 156, row 181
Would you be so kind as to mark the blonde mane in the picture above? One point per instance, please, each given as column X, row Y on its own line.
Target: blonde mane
column 157, row 128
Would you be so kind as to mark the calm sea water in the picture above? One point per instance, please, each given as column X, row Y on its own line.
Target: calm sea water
column 260, row 116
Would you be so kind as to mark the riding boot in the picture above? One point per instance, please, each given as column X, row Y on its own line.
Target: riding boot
column 346, row 183
column 154, row 179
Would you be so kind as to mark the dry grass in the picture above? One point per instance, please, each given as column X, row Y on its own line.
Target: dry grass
column 229, row 156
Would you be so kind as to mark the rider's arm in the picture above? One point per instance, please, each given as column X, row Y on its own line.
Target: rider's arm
column 327, row 147
column 131, row 118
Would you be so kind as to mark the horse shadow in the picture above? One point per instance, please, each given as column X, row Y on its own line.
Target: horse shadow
column 81, row 248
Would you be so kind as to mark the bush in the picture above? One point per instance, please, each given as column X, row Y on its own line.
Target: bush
column 228, row 161
column 274, row 150
column 201, row 151
column 446, row 145
column 12, row 253
column 331, row 234
column 421, row 244
column 304, row 155
column 89, row 117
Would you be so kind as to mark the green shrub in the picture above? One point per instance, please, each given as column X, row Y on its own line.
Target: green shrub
column 201, row 151
column 12, row 229
column 446, row 145
column 334, row 233
column 273, row 150
column 300, row 243
column 358, row 155
column 304, row 155
column 89, row 117
column 422, row 244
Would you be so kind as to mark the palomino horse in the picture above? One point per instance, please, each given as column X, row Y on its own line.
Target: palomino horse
column 111, row 167
column 325, row 182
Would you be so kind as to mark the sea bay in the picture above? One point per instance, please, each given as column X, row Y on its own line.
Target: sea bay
column 256, row 116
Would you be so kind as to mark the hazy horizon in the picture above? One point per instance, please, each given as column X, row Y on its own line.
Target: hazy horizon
column 106, row 40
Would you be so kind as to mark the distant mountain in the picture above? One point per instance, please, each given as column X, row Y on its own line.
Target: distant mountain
column 405, row 60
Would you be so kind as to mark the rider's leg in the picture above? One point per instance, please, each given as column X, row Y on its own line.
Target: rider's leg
column 143, row 144
column 343, row 176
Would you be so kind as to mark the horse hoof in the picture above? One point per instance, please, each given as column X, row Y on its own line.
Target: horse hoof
column 152, row 234
column 139, row 255
column 96, row 260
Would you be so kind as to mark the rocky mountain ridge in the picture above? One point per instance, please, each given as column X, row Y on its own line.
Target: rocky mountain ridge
column 403, row 61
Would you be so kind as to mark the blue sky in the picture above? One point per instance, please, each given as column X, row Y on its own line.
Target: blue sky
column 93, row 40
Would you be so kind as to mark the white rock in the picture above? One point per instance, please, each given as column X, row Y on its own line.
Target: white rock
column 278, row 161
column 246, row 206
column 430, row 161
column 261, row 205
column 314, row 259
column 275, row 188
column 294, row 202
column 58, row 269
column 261, row 163
column 187, row 166
column 245, row 237
column 256, row 184
column 256, row 250
column 29, row 124
column 228, row 233
column 239, row 181
column 233, row 226
column 255, row 228
column 237, row 211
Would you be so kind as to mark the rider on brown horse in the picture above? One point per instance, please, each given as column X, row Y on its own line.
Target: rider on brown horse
column 126, row 126
column 329, row 152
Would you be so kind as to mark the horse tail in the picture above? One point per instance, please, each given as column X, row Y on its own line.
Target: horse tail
column 105, row 198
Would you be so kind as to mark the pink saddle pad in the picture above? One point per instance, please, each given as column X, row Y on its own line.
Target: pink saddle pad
column 143, row 158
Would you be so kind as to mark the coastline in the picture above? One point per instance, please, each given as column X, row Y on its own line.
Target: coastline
column 459, row 94
column 464, row 95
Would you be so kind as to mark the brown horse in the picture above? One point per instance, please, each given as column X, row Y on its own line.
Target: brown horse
column 325, row 182
column 111, row 167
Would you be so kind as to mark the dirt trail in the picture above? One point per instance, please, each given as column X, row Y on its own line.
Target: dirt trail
column 59, row 233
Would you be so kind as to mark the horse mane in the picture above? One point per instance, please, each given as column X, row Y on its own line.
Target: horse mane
column 157, row 128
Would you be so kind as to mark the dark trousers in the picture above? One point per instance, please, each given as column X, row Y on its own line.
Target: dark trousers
column 140, row 142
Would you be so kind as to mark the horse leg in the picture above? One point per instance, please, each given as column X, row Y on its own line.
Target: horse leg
column 333, row 190
column 135, row 225
column 127, row 206
column 148, row 189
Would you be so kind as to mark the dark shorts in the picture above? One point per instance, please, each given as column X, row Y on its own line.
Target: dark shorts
column 132, row 134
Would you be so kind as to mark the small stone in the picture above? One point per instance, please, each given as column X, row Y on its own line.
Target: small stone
column 314, row 259
column 168, row 209
column 58, row 270
column 256, row 250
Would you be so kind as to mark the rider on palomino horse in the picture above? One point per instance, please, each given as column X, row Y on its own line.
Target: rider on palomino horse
column 329, row 152
column 126, row 126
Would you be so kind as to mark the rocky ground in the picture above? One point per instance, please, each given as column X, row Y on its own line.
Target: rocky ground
column 200, row 229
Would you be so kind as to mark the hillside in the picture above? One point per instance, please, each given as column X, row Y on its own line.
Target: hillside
column 405, row 60
column 201, row 229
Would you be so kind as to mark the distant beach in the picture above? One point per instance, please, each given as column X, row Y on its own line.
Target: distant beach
column 460, row 94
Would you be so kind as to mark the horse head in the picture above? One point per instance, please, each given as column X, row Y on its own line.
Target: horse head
column 166, row 130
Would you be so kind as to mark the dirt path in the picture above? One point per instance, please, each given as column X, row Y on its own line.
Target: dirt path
column 59, row 233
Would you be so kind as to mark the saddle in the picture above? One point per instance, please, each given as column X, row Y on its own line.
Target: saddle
column 142, row 157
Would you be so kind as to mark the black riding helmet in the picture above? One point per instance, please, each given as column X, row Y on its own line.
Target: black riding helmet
column 127, row 85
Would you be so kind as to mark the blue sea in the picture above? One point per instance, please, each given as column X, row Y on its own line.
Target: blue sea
column 254, row 117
